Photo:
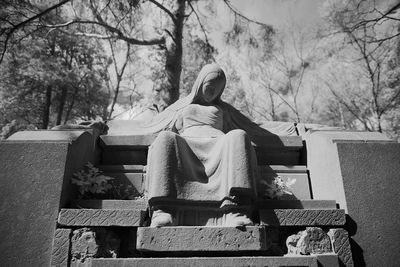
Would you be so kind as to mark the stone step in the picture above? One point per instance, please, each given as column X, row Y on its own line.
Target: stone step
column 101, row 217
column 263, row 168
column 297, row 204
column 141, row 142
column 310, row 261
column 201, row 239
column 302, row 217
column 271, row 156
column 285, row 150
column 133, row 175
column 123, row 168
column 137, row 204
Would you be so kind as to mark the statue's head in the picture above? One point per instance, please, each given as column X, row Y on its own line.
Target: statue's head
column 209, row 84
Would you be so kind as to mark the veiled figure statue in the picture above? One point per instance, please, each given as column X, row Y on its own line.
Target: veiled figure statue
column 203, row 152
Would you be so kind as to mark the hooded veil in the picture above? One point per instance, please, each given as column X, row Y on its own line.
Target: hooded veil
column 202, row 167
column 233, row 119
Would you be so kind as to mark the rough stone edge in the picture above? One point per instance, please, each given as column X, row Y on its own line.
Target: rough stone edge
column 61, row 247
column 73, row 217
column 263, row 242
column 341, row 245
column 302, row 217
column 310, row 261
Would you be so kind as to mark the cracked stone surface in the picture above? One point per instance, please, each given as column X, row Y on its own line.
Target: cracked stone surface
column 341, row 245
column 201, row 239
column 302, row 217
column 311, row 241
column 61, row 246
column 100, row 217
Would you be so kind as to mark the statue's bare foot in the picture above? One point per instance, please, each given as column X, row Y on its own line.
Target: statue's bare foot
column 161, row 218
column 237, row 219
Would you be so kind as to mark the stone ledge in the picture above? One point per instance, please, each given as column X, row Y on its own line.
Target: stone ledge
column 196, row 238
column 297, row 204
column 101, row 217
column 310, row 261
column 300, row 217
column 141, row 142
column 341, row 245
column 139, row 204
column 61, row 245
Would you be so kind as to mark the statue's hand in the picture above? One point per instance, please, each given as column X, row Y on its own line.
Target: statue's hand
column 101, row 126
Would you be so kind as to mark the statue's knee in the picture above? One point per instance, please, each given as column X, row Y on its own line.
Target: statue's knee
column 166, row 137
column 238, row 133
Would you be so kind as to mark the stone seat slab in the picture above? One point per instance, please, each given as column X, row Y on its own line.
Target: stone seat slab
column 302, row 217
column 101, row 217
column 309, row 204
column 202, row 239
column 309, row 261
column 141, row 142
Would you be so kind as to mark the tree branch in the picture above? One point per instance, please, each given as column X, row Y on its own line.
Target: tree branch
column 25, row 22
column 163, row 8
column 236, row 12
column 201, row 25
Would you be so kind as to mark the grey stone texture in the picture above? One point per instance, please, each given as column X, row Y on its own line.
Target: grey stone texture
column 370, row 173
column 88, row 243
column 296, row 204
column 61, row 247
column 300, row 189
column 328, row 260
column 341, row 246
column 34, row 185
column 324, row 165
column 302, row 217
column 176, row 239
column 311, row 241
column 139, row 204
column 309, row 261
column 100, row 217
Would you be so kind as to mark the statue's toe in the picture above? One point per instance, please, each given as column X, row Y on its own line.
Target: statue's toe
column 161, row 218
column 237, row 219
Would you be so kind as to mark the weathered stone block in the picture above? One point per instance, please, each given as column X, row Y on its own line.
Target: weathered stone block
column 124, row 157
column 308, row 204
column 137, row 204
column 95, row 217
column 210, row 261
column 341, row 245
column 312, row 241
column 34, row 185
column 90, row 243
column 328, row 260
column 135, row 180
column 299, row 217
column 123, row 168
column 61, row 246
column 202, row 239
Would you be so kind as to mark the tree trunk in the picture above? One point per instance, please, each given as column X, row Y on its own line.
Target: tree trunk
column 61, row 105
column 46, row 108
column 173, row 65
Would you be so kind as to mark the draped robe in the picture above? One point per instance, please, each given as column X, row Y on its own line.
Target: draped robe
column 200, row 162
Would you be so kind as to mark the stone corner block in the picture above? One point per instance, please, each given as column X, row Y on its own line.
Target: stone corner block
column 101, row 217
column 302, row 217
column 61, row 247
column 177, row 239
column 341, row 245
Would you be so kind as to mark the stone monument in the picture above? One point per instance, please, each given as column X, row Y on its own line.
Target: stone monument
column 211, row 188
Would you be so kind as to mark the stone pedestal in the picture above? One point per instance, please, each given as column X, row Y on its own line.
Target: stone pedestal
column 34, row 175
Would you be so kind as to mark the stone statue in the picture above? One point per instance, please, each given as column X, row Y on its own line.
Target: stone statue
column 203, row 152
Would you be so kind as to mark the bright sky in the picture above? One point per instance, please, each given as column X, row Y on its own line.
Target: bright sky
column 278, row 13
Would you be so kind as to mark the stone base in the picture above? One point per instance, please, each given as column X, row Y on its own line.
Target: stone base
column 198, row 239
column 210, row 261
